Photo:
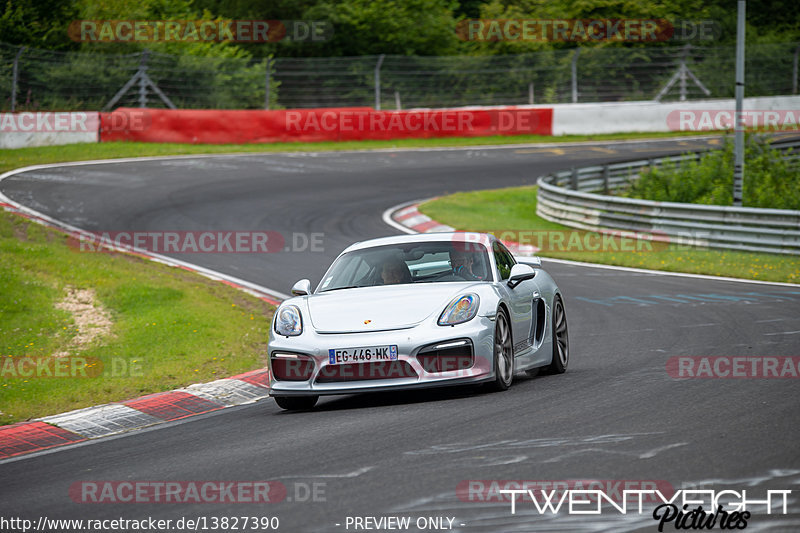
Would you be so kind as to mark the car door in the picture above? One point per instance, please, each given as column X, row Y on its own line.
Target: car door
column 522, row 298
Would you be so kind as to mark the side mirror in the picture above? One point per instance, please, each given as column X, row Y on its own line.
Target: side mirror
column 533, row 260
column 301, row 288
column 520, row 273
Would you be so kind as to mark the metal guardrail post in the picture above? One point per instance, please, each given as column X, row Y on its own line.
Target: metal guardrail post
column 794, row 70
column 266, row 86
column 378, row 82
column 143, row 78
column 15, row 78
column 606, row 175
column 574, row 179
column 575, row 76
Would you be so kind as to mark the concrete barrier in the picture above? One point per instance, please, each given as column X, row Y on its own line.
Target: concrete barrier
column 19, row 130
column 211, row 126
column 627, row 117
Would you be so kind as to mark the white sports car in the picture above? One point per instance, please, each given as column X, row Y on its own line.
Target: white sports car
column 417, row 311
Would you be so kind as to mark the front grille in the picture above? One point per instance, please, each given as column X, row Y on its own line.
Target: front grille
column 444, row 358
column 366, row 371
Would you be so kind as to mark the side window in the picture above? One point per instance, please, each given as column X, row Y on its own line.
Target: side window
column 504, row 260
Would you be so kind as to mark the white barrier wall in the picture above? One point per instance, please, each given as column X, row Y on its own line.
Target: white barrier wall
column 18, row 130
column 589, row 119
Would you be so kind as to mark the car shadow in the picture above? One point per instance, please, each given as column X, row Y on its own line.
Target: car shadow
column 407, row 397
column 410, row 397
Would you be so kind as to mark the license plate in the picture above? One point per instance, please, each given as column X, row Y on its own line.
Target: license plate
column 362, row 355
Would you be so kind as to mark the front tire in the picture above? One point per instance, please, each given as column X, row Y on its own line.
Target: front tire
column 503, row 353
column 296, row 403
column 560, row 338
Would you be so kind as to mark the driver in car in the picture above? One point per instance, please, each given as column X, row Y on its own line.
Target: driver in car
column 395, row 271
column 461, row 263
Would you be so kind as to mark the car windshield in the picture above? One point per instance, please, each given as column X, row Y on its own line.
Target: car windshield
column 403, row 263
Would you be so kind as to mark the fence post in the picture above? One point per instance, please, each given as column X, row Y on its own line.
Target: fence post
column 378, row 82
column 574, row 179
column 575, row 76
column 794, row 70
column 397, row 100
column 530, row 93
column 143, row 78
column 606, row 176
column 15, row 77
column 266, row 86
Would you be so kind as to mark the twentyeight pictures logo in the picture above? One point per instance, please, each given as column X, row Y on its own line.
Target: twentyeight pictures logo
column 680, row 509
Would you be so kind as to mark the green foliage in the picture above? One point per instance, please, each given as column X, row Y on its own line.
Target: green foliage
column 231, row 75
column 769, row 180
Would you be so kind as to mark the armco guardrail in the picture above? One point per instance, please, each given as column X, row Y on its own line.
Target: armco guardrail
column 570, row 198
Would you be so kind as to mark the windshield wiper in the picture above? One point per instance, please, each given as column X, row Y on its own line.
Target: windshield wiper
column 340, row 288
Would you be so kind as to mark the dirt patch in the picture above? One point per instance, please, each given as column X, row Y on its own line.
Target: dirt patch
column 91, row 319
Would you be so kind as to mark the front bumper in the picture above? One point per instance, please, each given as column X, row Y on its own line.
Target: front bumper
column 410, row 341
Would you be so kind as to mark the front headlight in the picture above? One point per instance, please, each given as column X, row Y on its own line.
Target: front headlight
column 288, row 321
column 461, row 309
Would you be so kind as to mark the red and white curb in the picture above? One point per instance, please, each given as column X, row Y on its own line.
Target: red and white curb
column 407, row 218
column 114, row 418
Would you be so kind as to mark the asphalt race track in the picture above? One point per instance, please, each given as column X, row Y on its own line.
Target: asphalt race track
column 615, row 415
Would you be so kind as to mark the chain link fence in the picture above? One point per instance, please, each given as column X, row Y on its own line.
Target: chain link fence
column 41, row 80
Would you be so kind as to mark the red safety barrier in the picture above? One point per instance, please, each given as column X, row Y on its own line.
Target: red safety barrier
column 314, row 125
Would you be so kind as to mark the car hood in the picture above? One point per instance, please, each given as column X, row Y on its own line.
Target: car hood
column 379, row 308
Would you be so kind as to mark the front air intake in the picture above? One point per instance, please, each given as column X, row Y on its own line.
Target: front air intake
column 447, row 356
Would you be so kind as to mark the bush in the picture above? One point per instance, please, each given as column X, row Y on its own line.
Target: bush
column 769, row 181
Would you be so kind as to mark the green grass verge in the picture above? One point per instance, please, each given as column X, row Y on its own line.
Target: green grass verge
column 20, row 157
column 514, row 210
column 170, row 327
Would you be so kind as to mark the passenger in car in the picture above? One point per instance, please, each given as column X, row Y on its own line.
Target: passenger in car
column 461, row 262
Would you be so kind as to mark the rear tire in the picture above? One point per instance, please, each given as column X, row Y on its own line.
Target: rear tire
column 503, row 354
column 296, row 403
column 560, row 338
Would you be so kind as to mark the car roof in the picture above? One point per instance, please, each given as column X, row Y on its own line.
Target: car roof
column 456, row 236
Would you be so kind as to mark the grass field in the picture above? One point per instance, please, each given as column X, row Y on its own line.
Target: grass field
column 164, row 327
column 513, row 211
